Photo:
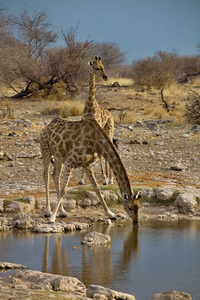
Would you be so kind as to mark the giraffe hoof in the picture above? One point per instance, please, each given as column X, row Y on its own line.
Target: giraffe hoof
column 47, row 215
column 105, row 183
column 81, row 182
column 63, row 215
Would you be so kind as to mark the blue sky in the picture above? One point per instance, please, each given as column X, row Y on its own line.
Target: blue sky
column 138, row 27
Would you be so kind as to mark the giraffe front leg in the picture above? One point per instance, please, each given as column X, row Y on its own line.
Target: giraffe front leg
column 90, row 175
column 66, row 176
column 46, row 181
column 56, row 178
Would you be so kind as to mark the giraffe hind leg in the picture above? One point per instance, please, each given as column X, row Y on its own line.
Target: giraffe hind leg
column 62, row 192
column 82, row 179
column 46, row 163
column 103, row 173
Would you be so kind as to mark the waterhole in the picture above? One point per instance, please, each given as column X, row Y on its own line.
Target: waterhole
column 158, row 256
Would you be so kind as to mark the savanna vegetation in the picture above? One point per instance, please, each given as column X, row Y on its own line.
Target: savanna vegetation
column 32, row 65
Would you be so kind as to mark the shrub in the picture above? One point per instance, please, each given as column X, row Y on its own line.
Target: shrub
column 193, row 107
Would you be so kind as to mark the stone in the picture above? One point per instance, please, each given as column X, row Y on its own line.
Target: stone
column 93, row 197
column 110, row 195
column 30, row 200
column 172, row 295
column 48, row 281
column 3, row 224
column 96, row 238
column 96, row 290
column 16, row 207
column 84, row 203
column 149, row 193
column 8, row 265
column 70, row 204
column 1, row 205
column 24, row 222
column 186, row 203
column 177, row 167
column 163, row 193
column 48, row 228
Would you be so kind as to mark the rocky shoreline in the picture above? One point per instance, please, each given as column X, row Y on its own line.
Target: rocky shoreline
column 27, row 214
column 33, row 285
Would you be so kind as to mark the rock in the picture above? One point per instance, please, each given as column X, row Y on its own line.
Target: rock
column 85, row 203
column 148, row 193
column 93, row 197
column 81, row 226
column 96, row 238
column 16, row 207
column 48, row 281
column 186, row 203
column 3, row 224
column 30, row 200
column 163, row 193
column 70, row 204
column 177, row 167
column 195, row 129
column 48, row 228
column 110, row 195
column 1, row 205
column 8, row 265
column 95, row 291
column 69, row 227
column 172, row 295
column 23, row 222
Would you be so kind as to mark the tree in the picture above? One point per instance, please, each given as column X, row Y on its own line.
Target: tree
column 110, row 53
column 35, row 32
column 5, row 27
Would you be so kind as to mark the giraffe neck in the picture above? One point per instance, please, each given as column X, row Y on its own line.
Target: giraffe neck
column 106, row 148
column 90, row 104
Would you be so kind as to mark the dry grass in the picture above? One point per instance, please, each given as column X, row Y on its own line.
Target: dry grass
column 121, row 81
column 70, row 108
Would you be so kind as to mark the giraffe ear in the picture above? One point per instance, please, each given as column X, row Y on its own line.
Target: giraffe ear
column 90, row 63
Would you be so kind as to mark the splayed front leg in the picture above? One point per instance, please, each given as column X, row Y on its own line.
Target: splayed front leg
column 63, row 213
column 90, row 175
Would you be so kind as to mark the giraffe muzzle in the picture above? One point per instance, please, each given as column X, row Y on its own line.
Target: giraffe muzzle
column 105, row 77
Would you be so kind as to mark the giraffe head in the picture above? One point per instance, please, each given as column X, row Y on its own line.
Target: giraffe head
column 98, row 66
column 132, row 206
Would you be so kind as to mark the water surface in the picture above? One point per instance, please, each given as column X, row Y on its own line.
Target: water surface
column 160, row 255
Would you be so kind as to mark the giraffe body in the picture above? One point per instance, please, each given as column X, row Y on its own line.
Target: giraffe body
column 76, row 144
column 103, row 117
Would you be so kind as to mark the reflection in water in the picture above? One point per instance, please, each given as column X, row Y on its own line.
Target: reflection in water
column 170, row 247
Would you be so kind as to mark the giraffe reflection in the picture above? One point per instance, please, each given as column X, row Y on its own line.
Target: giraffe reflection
column 97, row 265
column 59, row 261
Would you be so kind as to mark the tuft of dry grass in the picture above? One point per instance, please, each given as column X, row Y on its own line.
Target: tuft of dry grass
column 70, row 108
column 121, row 81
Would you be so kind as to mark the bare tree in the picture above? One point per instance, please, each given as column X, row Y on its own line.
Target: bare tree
column 35, row 32
column 5, row 27
column 110, row 52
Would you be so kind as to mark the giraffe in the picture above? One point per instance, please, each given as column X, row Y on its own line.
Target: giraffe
column 93, row 110
column 77, row 144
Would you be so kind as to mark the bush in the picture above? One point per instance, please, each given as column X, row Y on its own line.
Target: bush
column 193, row 107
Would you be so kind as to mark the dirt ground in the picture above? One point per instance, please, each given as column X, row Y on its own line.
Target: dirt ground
column 149, row 148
